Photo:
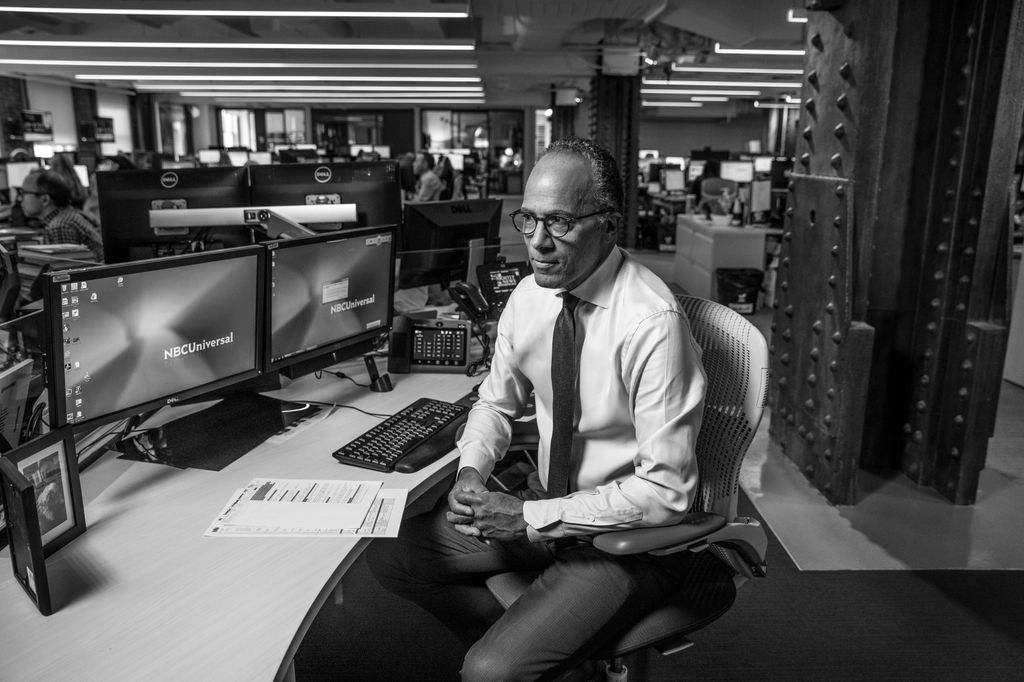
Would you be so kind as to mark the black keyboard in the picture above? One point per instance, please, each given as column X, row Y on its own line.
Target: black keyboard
column 387, row 445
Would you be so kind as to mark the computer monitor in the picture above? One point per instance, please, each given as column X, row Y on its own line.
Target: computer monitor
column 82, row 171
column 330, row 297
column 708, row 153
column 238, row 157
column 695, row 169
column 655, row 170
column 444, row 241
column 763, row 164
column 371, row 185
column 126, row 198
column 133, row 336
column 676, row 161
column 42, row 150
column 208, row 157
column 17, row 171
column 738, row 171
column 261, row 158
column 673, row 180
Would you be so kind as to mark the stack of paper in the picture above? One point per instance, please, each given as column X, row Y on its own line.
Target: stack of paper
column 310, row 508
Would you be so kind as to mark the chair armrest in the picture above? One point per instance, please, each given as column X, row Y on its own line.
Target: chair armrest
column 694, row 526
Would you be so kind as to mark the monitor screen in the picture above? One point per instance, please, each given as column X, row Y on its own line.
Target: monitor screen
column 238, row 157
column 18, row 171
column 209, row 157
column 655, row 171
column 328, row 293
column 371, row 185
column 42, row 150
column 696, row 168
column 763, row 164
column 673, row 180
column 435, row 243
column 738, row 171
column 82, row 171
column 129, row 337
column 126, row 198
column 261, row 158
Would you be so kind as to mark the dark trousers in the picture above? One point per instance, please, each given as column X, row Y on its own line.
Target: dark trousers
column 581, row 596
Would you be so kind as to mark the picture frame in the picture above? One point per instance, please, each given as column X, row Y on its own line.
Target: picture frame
column 50, row 463
column 26, row 539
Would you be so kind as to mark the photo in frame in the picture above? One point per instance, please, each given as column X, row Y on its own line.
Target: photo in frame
column 50, row 463
column 19, row 500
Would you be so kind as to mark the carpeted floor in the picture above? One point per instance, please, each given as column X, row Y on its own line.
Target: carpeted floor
column 792, row 625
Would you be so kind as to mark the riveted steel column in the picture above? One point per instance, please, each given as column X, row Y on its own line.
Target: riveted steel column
column 614, row 117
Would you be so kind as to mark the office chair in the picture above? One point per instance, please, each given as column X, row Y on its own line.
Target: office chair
column 711, row 194
column 735, row 358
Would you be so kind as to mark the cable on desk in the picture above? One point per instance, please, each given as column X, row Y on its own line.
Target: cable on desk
column 342, row 375
column 480, row 366
column 350, row 407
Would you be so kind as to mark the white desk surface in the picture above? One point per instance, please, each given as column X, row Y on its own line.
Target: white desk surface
column 142, row 595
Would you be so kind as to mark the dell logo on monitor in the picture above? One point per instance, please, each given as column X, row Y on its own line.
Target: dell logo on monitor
column 461, row 208
column 322, row 174
column 169, row 180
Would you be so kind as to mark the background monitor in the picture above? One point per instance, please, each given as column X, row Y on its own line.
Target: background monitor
column 82, row 171
column 673, row 180
column 434, row 247
column 708, row 153
column 238, row 157
column 261, row 158
column 42, row 150
column 208, row 157
column 763, row 164
column 371, row 185
column 676, row 161
column 738, row 171
column 654, row 171
column 129, row 337
column 126, row 197
column 330, row 297
column 695, row 169
column 17, row 171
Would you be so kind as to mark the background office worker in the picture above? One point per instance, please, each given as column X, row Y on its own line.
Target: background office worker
column 633, row 423
column 47, row 196
column 428, row 185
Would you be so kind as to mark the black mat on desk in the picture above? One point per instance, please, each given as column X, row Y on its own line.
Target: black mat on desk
column 215, row 437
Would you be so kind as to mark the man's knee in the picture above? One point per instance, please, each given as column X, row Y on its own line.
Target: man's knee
column 488, row 663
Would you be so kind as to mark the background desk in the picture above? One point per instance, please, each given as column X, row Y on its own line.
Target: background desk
column 142, row 595
column 703, row 247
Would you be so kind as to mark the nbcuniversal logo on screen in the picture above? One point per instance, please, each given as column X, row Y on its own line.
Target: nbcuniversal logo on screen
column 193, row 347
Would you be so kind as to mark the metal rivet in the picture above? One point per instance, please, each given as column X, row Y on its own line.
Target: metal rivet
column 817, row 41
column 833, row 366
column 943, row 247
column 785, row 262
column 808, row 134
column 835, row 249
column 809, row 404
column 839, row 131
column 918, row 436
column 928, row 353
column 828, row 420
column 837, row 222
column 965, row 279
column 810, row 437
column 814, row 354
column 827, row 454
column 976, row 192
column 812, row 379
column 809, row 471
column 809, row 105
column 963, row 392
column 960, row 307
column 784, row 358
column 831, row 394
column 907, row 428
column 971, row 338
column 830, row 307
column 835, row 161
column 931, row 326
column 954, row 452
column 845, row 70
column 782, row 382
column 816, row 327
column 968, row 250
column 967, row 365
column 790, row 419
column 973, row 222
column 801, row 429
column 787, row 335
column 789, row 311
column 788, row 235
column 840, row 190
column 842, row 101
column 958, row 419
column 774, row 325
column 939, row 274
column 837, row 337
column 954, row 162
column 805, row 159
column 784, row 285
column 958, row 132
column 832, row 280
column 935, row 302
column 925, row 380
column 812, row 78
column 921, row 406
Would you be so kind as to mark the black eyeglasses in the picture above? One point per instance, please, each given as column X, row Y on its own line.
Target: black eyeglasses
column 557, row 225
column 23, row 192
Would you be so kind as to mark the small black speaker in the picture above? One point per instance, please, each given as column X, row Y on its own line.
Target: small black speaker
column 399, row 343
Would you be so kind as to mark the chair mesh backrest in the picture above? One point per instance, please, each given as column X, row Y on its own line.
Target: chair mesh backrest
column 735, row 357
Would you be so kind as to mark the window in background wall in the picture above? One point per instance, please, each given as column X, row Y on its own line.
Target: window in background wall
column 336, row 131
column 173, row 130
column 494, row 138
column 285, row 126
column 238, row 128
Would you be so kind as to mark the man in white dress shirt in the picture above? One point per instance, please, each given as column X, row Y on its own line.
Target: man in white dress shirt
column 630, row 459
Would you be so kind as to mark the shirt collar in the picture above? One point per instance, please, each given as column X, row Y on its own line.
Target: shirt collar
column 51, row 213
column 597, row 289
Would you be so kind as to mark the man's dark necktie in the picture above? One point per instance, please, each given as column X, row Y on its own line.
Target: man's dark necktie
column 563, row 385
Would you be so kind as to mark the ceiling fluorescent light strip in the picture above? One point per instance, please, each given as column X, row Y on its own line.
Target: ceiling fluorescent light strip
column 168, row 12
column 735, row 69
column 359, row 100
column 141, row 77
column 321, row 93
column 726, row 84
column 671, row 104
column 793, row 18
column 239, row 46
column 700, row 98
column 162, row 87
column 739, row 50
column 234, row 65
column 775, row 105
column 737, row 93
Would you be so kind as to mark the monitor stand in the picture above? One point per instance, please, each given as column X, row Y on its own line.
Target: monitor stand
column 216, row 436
